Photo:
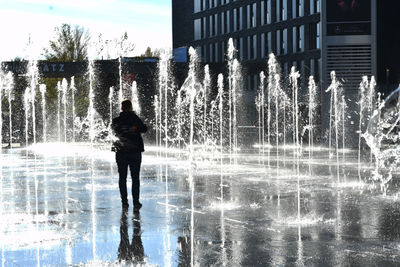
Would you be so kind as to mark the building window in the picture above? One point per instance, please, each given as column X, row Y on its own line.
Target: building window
column 294, row 39
column 312, row 67
column 216, row 24
column 203, row 5
column 197, row 6
column 294, row 8
column 235, row 20
column 284, row 41
column 251, row 15
column 301, row 38
column 268, row 12
column 262, row 45
column 252, row 47
column 312, row 7
column 262, row 13
column 318, row 37
column 278, row 42
column 241, row 18
column 284, row 9
column 278, row 10
column 269, row 47
column 213, row 3
column 314, row 35
column 211, row 19
column 254, row 15
column 301, row 8
column 197, row 29
column 223, row 23
column 241, row 49
column 204, row 32
column 255, row 46
column 298, row 39
column 228, row 22
column 249, row 44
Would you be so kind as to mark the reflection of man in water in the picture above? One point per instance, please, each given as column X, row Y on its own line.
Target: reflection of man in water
column 348, row 5
column 131, row 253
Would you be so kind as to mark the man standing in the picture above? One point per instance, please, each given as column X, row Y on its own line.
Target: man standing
column 128, row 147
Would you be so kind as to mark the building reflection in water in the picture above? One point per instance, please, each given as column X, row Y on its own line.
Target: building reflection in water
column 130, row 252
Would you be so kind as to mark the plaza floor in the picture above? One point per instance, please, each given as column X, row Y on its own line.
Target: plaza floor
column 60, row 206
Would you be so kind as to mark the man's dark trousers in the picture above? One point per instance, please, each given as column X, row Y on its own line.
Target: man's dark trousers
column 133, row 160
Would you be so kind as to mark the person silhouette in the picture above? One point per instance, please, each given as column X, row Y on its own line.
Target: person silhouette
column 128, row 146
column 130, row 252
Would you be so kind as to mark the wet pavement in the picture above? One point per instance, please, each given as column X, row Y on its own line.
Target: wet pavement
column 60, row 206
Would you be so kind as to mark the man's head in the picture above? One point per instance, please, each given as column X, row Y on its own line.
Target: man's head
column 126, row 105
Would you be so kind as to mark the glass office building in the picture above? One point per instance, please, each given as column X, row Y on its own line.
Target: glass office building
column 291, row 29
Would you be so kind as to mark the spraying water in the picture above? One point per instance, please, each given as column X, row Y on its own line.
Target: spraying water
column 135, row 98
column 120, row 93
column 73, row 91
column 1, row 111
column 233, row 84
column 371, row 101
column 156, row 106
column 362, row 105
column 382, row 136
column 10, row 97
column 220, row 106
column 312, row 105
column 262, row 111
column 179, row 115
column 91, row 110
column 336, row 90
column 64, row 87
column 33, row 73
column 163, row 84
column 110, row 101
column 59, row 89
column 294, row 76
column 272, row 95
column 206, row 91
column 42, row 89
column 26, row 108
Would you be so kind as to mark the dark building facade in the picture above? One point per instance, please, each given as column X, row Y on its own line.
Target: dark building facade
column 288, row 28
column 354, row 38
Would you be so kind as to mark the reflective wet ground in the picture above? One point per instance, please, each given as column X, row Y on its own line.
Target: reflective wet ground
column 60, row 206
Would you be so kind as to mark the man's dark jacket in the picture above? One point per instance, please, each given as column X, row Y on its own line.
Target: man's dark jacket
column 128, row 128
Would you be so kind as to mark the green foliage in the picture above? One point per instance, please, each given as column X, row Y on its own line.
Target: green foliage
column 71, row 44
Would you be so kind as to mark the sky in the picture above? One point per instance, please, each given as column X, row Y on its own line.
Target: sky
column 147, row 22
